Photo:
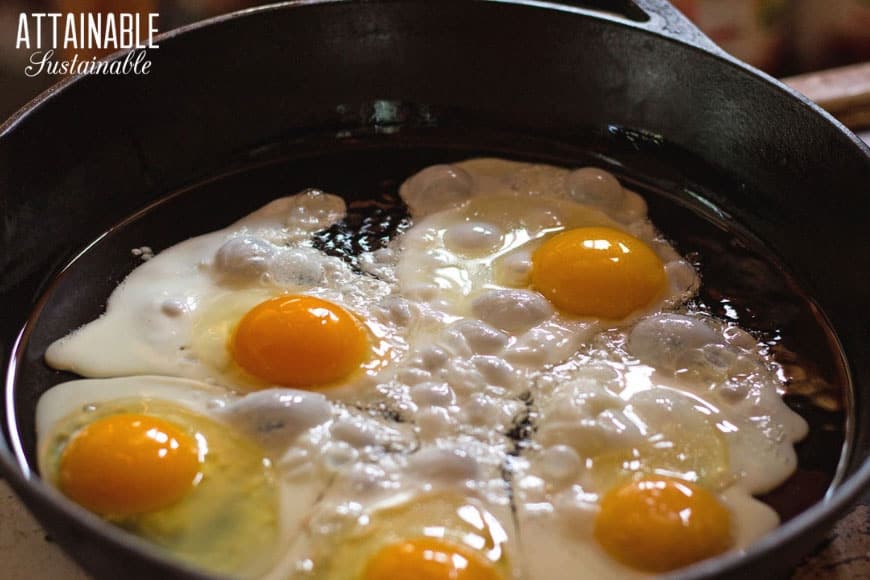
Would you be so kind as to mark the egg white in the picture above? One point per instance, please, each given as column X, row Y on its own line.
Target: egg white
column 436, row 492
column 646, row 401
column 234, row 472
column 492, row 217
column 306, row 439
column 479, row 335
column 175, row 313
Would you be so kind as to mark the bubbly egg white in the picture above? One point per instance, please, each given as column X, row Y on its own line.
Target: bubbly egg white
column 452, row 492
column 174, row 314
column 661, row 399
column 485, row 397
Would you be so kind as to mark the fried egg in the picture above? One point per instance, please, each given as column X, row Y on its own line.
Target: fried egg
column 155, row 455
column 653, row 417
column 589, row 250
column 147, row 454
column 435, row 513
column 250, row 306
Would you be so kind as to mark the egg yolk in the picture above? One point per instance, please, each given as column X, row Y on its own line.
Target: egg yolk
column 427, row 559
column 128, row 464
column 299, row 341
column 658, row 524
column 597, row 271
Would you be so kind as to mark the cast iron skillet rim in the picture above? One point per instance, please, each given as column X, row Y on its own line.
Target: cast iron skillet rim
column 827, row 508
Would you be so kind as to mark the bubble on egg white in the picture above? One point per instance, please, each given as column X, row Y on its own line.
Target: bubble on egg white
column 436, row 188
column 512, row 310
column 277, row 417
column 595, row 187
column 469, row 336
column 514, row 270
column 491, row 412
column 247, row 260
column 559, row 463
column 298, row 268
column 472, row 238
column 395, row 310
column 174, row 307
column 479, row 374
column 734, row 390
column 592, row 435
column 433, row 395
column 433, row 357
column 662, row 338
column 736, row 336
column 360, row 432
column 244, row 258
column 495, row 370
column 433, row 422
column 550, row 343
column 683, row 281
column 144, row 252
column 707, row 365
column 432, row 465
column 633, row 209
column 338, row 455
column 413, row 376
column 313, row 210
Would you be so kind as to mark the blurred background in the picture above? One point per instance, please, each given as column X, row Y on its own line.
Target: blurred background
column 782, row 37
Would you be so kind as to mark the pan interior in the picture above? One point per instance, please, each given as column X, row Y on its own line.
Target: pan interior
column 742, row 280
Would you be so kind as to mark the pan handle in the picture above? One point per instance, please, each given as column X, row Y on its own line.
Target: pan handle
column 667, row 20
column 658, row 16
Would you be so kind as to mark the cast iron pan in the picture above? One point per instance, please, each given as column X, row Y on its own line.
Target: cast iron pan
column 355, row 96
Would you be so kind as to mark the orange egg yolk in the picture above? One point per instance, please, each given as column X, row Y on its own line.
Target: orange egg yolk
column 428, row 559
column 597, row 271
column 659, row 524
column 128, row 464
column 299, row 341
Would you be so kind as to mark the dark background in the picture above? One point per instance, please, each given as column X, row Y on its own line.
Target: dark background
column 782, row 37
